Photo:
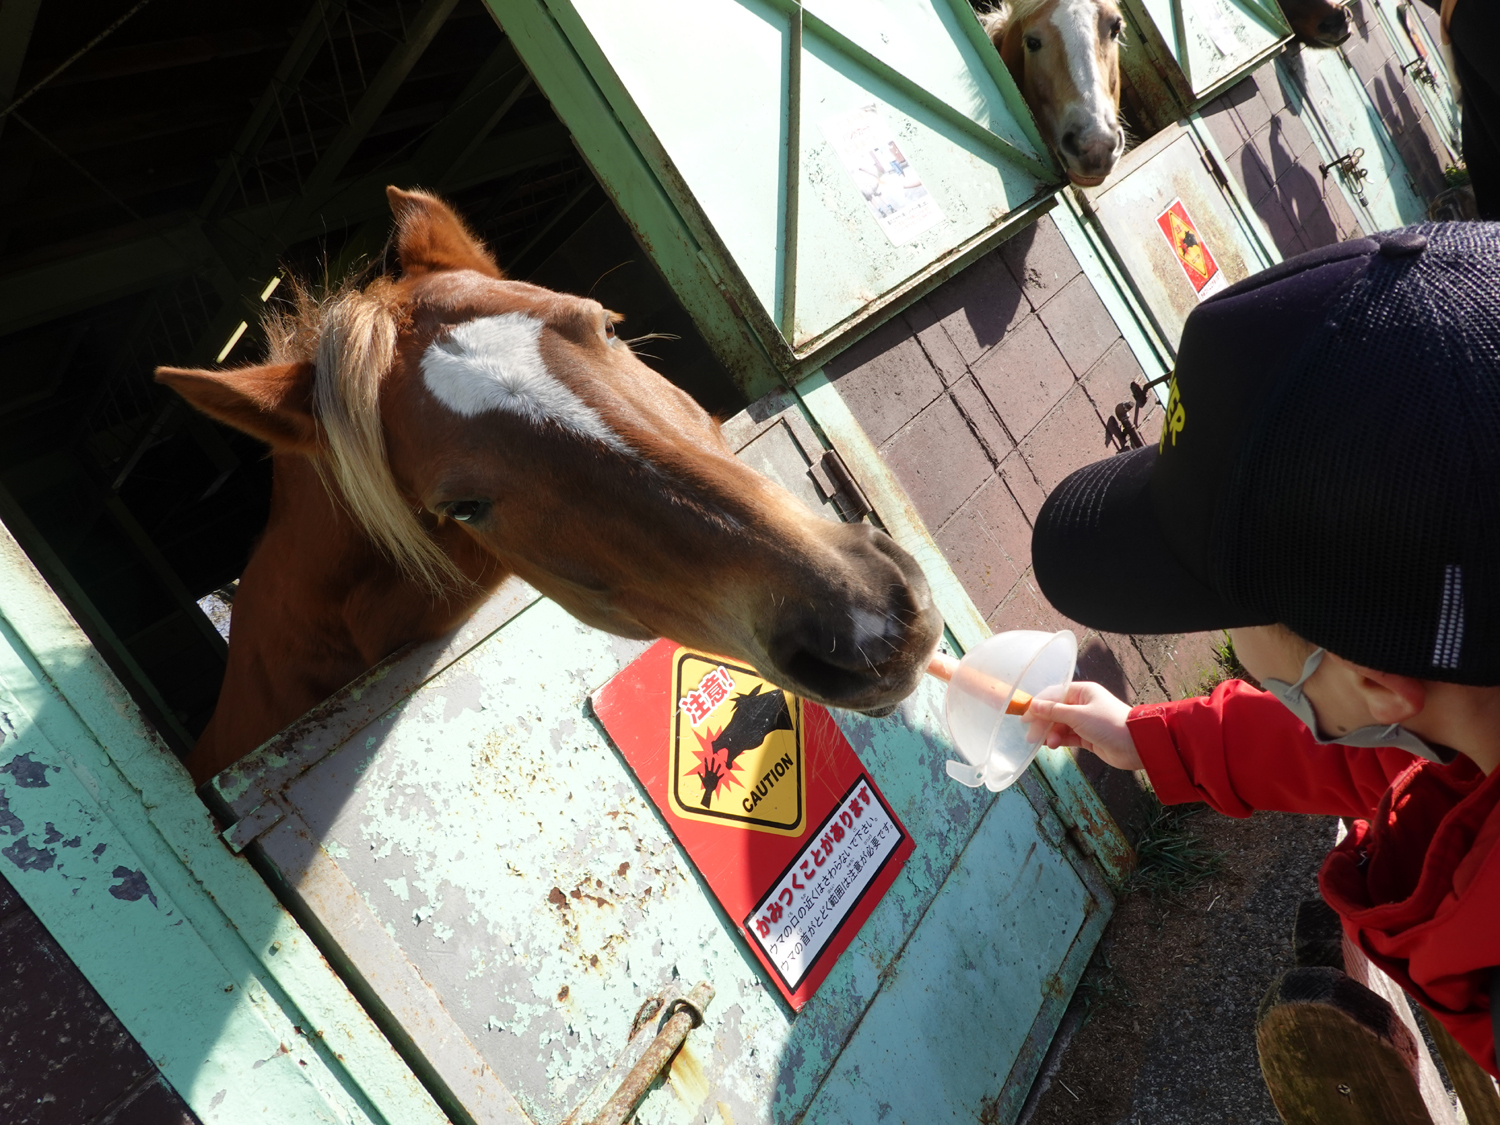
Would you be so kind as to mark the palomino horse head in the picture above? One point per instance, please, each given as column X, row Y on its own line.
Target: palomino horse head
column 1318, row 23
column 1065, row 57
column 459, row 415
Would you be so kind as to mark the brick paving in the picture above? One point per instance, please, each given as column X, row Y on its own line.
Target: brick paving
column 981, row 398
column 984, row 395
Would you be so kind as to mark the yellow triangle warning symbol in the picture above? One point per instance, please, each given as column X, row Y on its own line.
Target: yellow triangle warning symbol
column 737, row 747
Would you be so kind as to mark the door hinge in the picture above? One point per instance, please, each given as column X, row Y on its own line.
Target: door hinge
column 837, row 484
column 1214, row 170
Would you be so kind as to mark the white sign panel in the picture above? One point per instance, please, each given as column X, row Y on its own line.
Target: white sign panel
column 818, row 892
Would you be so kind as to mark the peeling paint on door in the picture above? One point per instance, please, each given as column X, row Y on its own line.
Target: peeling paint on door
column 488, row 865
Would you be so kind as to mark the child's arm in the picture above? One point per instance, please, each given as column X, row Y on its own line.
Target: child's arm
column 1238, row 749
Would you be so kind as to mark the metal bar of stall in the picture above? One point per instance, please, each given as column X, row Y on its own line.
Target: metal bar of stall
column 791, row 200
column 688, row 1015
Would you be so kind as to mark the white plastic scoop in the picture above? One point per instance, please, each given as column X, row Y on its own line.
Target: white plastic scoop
column 988, row 692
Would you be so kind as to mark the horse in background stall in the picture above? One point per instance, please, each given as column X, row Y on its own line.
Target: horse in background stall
column 1065, row 57
column 1317, row 23
column 434, row 433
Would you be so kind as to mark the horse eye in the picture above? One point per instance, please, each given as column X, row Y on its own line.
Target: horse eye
column 609, row 330
column 1033, row 43
column 467, row 511
column 1117, row 28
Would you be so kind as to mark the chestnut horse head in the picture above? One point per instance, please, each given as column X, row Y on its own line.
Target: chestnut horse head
column 1317, row 23
column 1065, row 57
column 469, row 427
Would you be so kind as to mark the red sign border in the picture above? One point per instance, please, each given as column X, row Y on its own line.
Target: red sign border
column 626, row 723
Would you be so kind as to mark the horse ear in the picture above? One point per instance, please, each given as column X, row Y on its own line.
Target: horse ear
column 272, row 402
column 430, row 237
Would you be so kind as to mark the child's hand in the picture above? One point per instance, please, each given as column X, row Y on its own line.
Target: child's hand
column 1087, row 716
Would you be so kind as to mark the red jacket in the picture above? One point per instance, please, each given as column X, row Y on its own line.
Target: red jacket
column 1417, row 882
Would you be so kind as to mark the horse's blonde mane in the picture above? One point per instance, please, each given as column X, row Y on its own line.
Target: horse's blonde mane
column 997, row 18
column 349, row 334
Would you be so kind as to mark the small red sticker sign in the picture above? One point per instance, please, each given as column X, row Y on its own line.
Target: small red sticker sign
column 770, row 802
column 1192, row 252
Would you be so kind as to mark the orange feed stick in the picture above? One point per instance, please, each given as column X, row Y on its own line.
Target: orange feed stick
column 944, row 667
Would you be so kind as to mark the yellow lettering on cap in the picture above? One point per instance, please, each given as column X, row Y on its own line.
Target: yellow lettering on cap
column 1176, row 417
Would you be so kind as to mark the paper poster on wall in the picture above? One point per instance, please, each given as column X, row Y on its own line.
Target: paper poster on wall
column 767, row 797
column 1193, row 254
column 883, row 173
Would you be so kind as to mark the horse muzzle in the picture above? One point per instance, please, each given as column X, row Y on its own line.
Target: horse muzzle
column 862, row 644
column 1332, row 30
column 1088, row 156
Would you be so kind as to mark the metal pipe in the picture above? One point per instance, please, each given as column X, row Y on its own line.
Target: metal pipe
column 687, row 1013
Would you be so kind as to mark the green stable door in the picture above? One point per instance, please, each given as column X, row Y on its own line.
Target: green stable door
column 1323, row 89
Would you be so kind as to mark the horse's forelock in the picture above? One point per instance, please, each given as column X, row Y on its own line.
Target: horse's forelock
column 350, row 335
column 1002, row 15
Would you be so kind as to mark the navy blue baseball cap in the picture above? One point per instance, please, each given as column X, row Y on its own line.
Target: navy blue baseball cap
column 1329, row 460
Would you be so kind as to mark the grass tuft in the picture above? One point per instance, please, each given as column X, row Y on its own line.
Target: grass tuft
column 1102, row 987
column 1227, row 666
column 1171, row 859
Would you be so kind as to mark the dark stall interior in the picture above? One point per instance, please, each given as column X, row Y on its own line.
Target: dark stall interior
column 162, row 167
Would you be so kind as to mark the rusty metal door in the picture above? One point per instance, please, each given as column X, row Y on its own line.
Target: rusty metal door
column 103, row 838
column 1175, row 174
column 1201, row 47
column 490, row 877
column 1323, row 89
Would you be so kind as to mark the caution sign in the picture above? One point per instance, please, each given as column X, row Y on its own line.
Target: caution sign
column 736, row 747
column 768, row 799
column 1192, row 252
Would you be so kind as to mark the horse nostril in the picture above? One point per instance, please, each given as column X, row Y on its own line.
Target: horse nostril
column 1070, row 142
column 1336, row 24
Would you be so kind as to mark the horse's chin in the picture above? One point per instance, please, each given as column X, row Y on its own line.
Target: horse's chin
column 1086, row 181
column 1328, row 44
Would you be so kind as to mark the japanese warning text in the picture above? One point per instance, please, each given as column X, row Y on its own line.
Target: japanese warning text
column 803, row 911
column 704, row 700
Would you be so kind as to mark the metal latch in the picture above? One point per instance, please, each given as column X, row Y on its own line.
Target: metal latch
column 677, row 1017
column 835, row 482
column 253, row 825
column 1350, row 172
column 1418, row 71
column 683, row 1014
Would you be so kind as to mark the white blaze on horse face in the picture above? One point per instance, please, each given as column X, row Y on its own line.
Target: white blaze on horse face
column 495, row 363
column 1093, row 117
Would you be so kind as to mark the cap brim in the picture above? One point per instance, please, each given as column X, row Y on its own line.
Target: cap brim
column 1100, row 557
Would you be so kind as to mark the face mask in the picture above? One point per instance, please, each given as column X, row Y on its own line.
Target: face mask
column 1394, row 735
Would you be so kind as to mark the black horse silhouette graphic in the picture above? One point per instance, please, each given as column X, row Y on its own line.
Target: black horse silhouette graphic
column 756, row 715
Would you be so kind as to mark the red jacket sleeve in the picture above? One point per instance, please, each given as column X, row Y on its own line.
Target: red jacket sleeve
column 1240, row 750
